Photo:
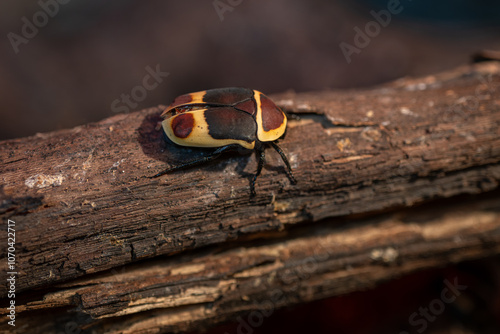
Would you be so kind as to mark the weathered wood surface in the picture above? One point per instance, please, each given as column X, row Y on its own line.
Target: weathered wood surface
column 82, row 205
column 253, row 278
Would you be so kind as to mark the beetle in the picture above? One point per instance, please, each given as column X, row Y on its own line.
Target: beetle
column 226, row 119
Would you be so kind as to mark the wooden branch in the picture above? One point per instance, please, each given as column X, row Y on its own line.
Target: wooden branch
column 81, row 205
column 298, row 265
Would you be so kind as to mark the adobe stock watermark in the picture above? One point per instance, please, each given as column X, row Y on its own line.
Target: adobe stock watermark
column 151, row 80
column 223, row 6
column 256, row 318
column 79, row 321
column 30, row 28
column 372, row 29
column 436, row 307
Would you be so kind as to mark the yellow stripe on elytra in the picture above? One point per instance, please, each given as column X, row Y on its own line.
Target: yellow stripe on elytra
column 199, row 136
column 197, row 97
column 262, row 134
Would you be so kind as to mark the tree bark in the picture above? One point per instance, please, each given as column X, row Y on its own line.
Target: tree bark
column 82, row 205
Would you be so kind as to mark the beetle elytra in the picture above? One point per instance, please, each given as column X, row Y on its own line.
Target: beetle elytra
column 225, row 119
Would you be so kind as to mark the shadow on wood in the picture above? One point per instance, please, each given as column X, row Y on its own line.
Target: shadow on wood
column 125, row 253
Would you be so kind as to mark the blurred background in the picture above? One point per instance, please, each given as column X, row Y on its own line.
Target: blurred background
column 64, row 63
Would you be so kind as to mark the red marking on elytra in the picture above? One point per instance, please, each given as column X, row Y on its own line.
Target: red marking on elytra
column 272, row 117
column 182, row 125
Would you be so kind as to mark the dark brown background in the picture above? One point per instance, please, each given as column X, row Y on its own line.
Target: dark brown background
column 92, row 51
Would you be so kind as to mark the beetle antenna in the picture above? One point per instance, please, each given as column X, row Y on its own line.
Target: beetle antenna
column 262, row 160
column 195, row 162
column 285, row 160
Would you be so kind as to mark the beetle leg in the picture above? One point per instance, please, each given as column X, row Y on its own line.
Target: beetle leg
column 295, row 117
column 262, row 160
column 285, row 160
column 195, row 162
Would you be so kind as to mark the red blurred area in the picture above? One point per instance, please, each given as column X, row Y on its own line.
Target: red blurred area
column 389, row 307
